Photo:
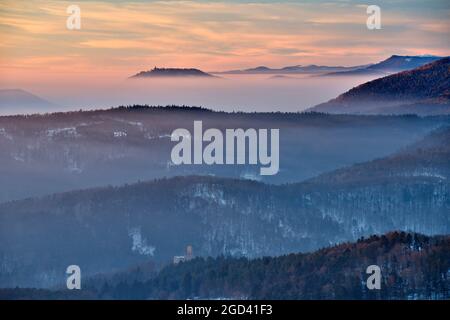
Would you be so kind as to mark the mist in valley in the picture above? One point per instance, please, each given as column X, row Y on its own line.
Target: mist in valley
column 247, row 93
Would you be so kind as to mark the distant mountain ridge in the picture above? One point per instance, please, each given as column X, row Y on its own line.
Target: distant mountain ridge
column 423, row 91
column 393, row 64
column 18, row 100
column 297, row 69
column 171, row 72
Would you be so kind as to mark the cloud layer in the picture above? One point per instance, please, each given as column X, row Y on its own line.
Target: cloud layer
column 121, row 37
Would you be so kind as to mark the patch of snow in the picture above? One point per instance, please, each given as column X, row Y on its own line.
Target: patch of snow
column 250, row 176
column 66, row 132
column 18, row 158
column 163, row 136
column 135, row 123
column 425, row 173
column 169, row 164
column 139, row 243
column 74, row 168
column 211, row 194
column 119, row 134
column 115, row 156
column 3, row 133
column 287, row 231
column 138, row 124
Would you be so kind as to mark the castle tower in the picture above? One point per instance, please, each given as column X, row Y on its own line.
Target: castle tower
column 189, row 253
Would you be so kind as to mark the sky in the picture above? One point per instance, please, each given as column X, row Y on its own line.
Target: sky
column 120, row 38
column 89, row 67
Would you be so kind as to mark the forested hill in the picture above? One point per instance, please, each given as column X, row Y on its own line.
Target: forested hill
column 427, row 158
column 413, row 266
column 44, row 154
column 172, row 72
column 115, row 227
column 424, row 91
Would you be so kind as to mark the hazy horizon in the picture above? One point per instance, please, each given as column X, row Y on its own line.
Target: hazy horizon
column 88, row 67
column 119, row 38
column 245, row 93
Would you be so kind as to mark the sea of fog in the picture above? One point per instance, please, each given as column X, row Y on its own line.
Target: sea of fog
column 226, row 93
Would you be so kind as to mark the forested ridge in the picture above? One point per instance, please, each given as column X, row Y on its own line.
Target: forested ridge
column 413, row 266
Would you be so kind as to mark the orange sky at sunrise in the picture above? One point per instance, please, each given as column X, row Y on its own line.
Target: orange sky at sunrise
column 120, row 38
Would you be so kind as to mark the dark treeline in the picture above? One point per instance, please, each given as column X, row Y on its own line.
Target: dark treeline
column 413, row 266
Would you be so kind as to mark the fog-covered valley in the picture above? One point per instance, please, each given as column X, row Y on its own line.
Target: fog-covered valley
column 61, row 152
